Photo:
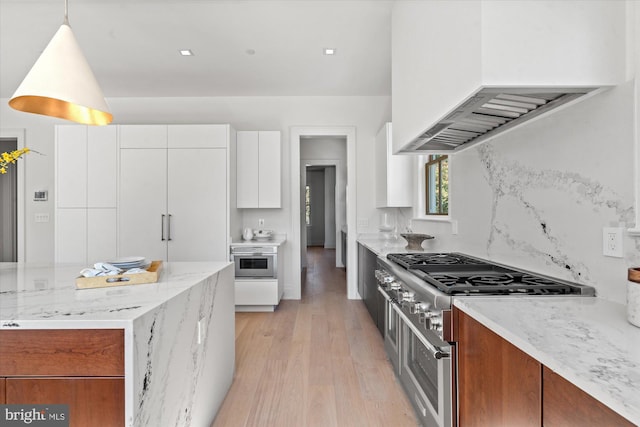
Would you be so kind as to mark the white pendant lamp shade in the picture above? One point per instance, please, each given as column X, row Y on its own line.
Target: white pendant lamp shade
column 61, row 84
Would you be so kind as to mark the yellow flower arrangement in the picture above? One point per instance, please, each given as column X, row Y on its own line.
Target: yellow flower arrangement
column 8, row 158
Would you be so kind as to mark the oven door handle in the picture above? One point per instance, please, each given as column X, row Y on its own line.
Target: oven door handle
column 436, row 351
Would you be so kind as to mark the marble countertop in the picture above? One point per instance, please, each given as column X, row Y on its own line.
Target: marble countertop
column 44, row 296
column 277, row 240
column 588, row 341
column 382, row 246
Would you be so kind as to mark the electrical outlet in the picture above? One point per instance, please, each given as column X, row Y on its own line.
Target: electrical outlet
column 202, row 330
column 612, row 242
column 363, row 222
column 261, row 222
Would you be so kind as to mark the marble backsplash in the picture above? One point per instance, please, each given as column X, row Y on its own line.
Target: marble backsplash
column 539, row 196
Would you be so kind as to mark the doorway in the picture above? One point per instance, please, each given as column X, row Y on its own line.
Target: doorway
column 320, row 206
column 9, row 205
column 346, row 137
column 12, row 194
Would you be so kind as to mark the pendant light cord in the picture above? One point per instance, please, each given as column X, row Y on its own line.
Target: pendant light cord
column 66, row 13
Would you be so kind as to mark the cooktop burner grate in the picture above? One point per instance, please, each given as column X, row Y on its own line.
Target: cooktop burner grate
column 495, row 284
column 411, row 260
column 458, row 274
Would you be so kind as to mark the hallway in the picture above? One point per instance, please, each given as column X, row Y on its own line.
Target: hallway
column 319, row 362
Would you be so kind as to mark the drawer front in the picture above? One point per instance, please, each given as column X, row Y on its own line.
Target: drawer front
column 62, row 352
column 93, row 402
column 256, row 292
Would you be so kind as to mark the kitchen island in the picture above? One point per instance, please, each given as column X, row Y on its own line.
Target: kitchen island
column 177, row 335
column 586, row 341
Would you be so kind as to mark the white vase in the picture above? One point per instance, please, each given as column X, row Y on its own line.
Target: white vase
column 247, row 234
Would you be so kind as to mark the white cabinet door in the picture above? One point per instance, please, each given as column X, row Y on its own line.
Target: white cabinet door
column 71, row 166
column 258, row 171
column 269, row 169
column 247, row 169
column 71, row 235
column 143, row 136
column 143, row 203
column 198, row 136
column 101, row 236
column 102, row 171
column 197, row 204
column 394, row 173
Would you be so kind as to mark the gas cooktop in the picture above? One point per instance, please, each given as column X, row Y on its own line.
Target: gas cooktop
column 459, row 274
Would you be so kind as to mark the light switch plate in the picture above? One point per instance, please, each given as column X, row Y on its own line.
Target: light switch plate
column 42, row 217
column 612, row 242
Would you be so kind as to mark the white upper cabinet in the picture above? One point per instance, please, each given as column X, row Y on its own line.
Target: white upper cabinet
column 444, row 52
column 394, row 173
column 143, row 136
column 102, row 161
column 71, row 166
column 198, row 136
column 258, row 169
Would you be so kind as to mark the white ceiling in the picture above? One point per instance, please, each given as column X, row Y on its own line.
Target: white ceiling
column 132, row 45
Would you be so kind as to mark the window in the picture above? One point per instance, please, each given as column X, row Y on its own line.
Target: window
column 437, row 185
column 307, row 205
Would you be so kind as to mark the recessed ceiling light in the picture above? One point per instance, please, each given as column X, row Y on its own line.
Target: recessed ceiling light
column 329, row 51
column 186, row 52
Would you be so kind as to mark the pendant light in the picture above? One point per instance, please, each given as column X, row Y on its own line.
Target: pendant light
column 61, row 83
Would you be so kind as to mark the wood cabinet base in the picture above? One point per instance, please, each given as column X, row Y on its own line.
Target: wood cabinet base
column 92, row 402
column 498, row 384
column 559, row 394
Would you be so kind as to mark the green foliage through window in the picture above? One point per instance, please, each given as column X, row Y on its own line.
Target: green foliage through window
column 437, row 185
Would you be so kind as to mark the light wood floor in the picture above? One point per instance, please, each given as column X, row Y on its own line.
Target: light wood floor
column 319, row 361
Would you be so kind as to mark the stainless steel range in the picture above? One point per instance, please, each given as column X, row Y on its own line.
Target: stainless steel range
column 419, row 289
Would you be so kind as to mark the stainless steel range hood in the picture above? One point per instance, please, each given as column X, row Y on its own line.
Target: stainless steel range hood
column 489, row 112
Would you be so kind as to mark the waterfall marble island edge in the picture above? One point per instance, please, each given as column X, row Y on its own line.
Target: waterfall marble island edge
column 179, row 333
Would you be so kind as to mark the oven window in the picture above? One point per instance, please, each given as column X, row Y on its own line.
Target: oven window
column 424, row 367
column 254, row 263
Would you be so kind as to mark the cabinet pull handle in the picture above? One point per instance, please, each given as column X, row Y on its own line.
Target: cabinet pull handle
column 162, row 227
column 169, row 227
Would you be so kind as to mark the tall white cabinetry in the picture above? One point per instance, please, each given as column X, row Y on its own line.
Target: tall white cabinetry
column 394, row 173
column 258, row 171
column 85, row 191
column 173, row 192
column 158, row 191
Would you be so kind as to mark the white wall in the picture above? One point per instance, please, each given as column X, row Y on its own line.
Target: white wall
column 367, row 114
column 539, row 196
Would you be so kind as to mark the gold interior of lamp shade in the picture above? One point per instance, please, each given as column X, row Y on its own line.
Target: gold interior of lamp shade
column 61, row 84
column 61, row 109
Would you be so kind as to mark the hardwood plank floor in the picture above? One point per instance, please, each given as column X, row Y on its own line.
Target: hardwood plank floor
column 319, row 361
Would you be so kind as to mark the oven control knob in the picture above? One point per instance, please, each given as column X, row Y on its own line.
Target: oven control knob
column 419, row 308
column 424, row 316
column 408, row 296
column 436, row 322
